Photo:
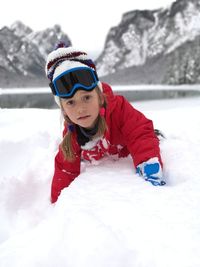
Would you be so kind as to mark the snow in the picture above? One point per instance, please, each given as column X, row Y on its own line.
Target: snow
column 108, row 216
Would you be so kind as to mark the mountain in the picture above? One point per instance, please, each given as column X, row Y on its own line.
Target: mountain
column 158, row 46
column 23, row 53
column 147, row 47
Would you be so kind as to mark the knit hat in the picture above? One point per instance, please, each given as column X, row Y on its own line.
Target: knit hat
column 64, row 58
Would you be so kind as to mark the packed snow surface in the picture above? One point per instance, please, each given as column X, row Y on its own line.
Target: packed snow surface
column 108, row 217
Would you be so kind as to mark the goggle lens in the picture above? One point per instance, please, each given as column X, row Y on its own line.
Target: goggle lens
column 70, row 81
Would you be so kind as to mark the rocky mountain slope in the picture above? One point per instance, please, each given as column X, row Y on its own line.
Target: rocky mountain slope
column 23, row 53
column 159, row 46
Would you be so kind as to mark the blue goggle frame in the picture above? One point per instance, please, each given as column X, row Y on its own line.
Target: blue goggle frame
column 67, row 83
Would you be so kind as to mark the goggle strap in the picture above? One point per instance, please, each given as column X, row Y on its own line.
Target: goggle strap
column 51, row 85
column 96, row 75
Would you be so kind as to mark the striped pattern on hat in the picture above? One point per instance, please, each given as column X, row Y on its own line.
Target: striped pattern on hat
column 69, row 54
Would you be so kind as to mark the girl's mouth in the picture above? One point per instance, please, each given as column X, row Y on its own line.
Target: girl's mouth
column 84, row 117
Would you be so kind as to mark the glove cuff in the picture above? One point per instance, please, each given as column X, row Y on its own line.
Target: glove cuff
column 150, row 168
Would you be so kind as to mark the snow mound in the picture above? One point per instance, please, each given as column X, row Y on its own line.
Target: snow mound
column 108, row 216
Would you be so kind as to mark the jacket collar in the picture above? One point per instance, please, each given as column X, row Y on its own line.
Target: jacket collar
column 111, row 98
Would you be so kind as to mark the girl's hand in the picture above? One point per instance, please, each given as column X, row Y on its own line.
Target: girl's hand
column 151, row 171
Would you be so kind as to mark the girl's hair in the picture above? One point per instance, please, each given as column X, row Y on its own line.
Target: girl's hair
column 66, row 145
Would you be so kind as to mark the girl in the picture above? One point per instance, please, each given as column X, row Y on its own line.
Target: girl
column 97, row 122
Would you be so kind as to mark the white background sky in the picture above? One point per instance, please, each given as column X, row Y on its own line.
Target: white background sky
column 86, row 22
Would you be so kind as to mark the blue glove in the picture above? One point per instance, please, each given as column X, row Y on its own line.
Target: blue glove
column 151, row 171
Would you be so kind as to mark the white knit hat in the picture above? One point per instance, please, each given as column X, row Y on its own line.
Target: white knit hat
column 65, row 58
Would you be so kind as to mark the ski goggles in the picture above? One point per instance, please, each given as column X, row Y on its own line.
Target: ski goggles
column 67, row 83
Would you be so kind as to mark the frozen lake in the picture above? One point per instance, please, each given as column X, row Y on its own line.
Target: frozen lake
column 42, row 98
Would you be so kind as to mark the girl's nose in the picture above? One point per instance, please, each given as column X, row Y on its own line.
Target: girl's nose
column 81, row 109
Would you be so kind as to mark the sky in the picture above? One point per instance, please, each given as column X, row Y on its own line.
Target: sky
column 86, row 22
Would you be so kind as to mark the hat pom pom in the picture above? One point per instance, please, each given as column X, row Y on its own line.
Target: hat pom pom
column 61, row 44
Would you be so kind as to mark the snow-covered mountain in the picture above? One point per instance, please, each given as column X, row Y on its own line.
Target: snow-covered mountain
column 148, row 47
column 23, row 53
column 159, row 46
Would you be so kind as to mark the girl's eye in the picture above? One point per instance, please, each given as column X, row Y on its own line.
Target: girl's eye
column 70, row 103
column 87, row 97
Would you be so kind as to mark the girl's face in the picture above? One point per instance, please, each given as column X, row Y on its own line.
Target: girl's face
column 82, row 108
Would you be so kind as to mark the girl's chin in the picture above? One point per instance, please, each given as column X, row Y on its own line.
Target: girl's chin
column 87, row 125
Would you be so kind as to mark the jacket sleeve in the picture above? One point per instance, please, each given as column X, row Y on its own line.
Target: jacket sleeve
column 138, row 133
column 64, row 173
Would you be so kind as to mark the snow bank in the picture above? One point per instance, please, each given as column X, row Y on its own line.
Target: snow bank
column 108, row 216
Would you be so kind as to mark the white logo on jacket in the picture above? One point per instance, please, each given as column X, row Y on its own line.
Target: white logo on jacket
column 95, row 149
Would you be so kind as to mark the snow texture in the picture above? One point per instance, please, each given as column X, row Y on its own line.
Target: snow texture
column 109, row 216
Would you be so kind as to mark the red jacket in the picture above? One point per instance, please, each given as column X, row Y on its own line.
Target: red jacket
column 129, row 131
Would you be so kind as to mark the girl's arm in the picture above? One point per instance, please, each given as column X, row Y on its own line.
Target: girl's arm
column 65, row 172
column 138, row 133
column 143, row 144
